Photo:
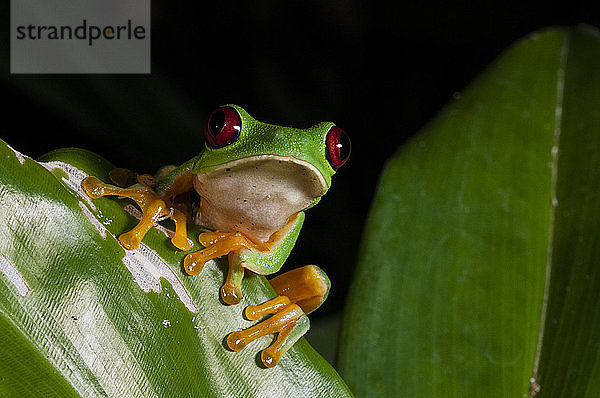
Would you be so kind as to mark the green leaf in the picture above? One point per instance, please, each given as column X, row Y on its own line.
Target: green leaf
column 79, row 315
column 479, row 271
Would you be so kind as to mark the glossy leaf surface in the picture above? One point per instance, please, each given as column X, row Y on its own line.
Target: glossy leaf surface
column 80, row 316
column 479, row 269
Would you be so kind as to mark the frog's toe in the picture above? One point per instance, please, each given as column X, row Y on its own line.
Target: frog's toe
column 130, row 240
column 286, row 338
column 270, row 356
column 93, row 187
column 181, row 242
column 216, row 244
column 212, row 237
column 255, row 312
column 231, row 294
column 179, row 238
column 194, row 262
column 237, row 341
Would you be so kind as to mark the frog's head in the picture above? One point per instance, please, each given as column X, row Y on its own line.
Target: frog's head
column 301, row 160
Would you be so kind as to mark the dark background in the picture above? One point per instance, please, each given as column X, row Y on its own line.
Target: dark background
column 381, row 71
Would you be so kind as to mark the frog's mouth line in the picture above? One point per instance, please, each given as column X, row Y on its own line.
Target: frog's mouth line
column 307, row 175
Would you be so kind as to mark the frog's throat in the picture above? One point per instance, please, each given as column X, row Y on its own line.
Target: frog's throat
column 319, row 184
column 256, row 196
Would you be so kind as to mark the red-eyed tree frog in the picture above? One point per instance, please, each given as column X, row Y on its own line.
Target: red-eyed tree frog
column 254, row 182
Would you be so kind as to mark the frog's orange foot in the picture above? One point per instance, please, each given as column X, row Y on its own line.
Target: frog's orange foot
column 131, row 240
column 154, row 209
column 289, row 321
column 216, row 244
column 231, row 292
column 300, row 291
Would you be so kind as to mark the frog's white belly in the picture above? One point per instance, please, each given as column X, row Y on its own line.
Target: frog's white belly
column 256, row 197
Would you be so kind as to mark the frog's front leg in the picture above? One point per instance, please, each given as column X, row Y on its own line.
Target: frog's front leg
column 300, row 291
column 263, row 258
column 153, row 209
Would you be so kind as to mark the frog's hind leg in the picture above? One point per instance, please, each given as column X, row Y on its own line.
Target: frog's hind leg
column 306, row 286
column 300, row 291
column 153, row 210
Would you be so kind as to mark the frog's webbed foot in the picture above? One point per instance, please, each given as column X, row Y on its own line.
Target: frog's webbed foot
column 288, row 320
column 154, row 209
column 217, row 244
column 300, row 291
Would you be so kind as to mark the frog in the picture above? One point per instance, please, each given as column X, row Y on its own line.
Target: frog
column 253, row 182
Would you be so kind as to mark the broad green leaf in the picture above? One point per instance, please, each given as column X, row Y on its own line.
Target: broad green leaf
column 80, row 316
column 479, row 273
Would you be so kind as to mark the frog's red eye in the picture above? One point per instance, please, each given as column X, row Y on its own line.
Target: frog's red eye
column 222, row 127
column 337, row 147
